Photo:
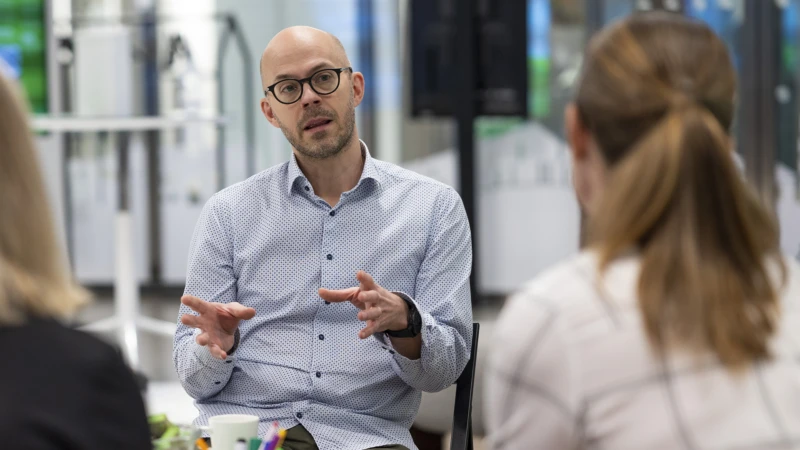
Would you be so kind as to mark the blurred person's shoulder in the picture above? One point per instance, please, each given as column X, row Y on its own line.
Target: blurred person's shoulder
column 58, row 362
column 48, row 338
column 90, row 395
column 575, row 291
column 577, row 280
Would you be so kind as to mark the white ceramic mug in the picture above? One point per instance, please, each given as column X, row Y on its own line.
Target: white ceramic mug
column 226, row 429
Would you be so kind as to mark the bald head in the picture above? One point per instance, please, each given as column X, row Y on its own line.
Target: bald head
column 297, row 44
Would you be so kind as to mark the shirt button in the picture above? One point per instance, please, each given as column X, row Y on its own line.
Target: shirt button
column 217, row 382
column 321, row 337
column 332, row 213
column 299, row 415
column 330, row 257
column 391, row 351
column 319, row 374
column 307, row 188
column 327, row 303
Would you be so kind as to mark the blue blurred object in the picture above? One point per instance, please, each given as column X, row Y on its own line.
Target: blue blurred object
column 10, row 61
column 23, row 48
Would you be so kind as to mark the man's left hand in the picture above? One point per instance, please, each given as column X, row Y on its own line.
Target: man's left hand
column 380, row 309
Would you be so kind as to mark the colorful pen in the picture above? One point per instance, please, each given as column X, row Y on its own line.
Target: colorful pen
column 281, row 438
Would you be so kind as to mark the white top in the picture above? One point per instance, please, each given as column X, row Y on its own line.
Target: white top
column 571, row 368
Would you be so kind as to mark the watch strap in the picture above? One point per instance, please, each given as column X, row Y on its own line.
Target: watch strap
column 414, row 321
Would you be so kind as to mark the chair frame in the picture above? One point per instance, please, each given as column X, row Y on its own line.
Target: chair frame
column 462, row 413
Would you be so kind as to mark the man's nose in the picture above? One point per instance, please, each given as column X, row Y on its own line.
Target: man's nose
column 309, row 95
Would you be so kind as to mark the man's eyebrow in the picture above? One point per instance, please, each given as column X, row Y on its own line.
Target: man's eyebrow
column 315, row 68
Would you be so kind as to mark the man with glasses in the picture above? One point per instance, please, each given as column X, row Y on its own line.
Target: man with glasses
column 327, row 292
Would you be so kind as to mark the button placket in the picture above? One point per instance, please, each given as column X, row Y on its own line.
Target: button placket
column 327, row 235
column 328, row 274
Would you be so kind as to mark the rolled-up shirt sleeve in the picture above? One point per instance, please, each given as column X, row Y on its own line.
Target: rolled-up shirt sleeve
column 211, row 277
column 443, row 300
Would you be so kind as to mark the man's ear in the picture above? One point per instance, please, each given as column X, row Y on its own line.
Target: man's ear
column 358, row 87
column 577, row 133
column 266, row 109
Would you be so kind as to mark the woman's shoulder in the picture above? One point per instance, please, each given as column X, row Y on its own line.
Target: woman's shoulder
column 574, row 295
column 49, row 338
column 577, row 281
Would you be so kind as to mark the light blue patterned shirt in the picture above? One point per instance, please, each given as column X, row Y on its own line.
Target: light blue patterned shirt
column 269, row 242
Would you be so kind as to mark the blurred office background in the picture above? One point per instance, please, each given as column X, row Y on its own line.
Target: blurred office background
column 146, row 108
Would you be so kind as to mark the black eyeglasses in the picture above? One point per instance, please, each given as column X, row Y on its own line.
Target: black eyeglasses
column 323, row 82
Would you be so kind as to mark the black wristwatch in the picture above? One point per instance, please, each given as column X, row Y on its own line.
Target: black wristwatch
column 236, row 338
column 414, row 322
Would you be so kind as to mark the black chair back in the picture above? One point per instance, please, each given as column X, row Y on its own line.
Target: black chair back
column 462, row 414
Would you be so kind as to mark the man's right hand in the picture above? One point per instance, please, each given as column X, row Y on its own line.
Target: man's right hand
column 217, row 321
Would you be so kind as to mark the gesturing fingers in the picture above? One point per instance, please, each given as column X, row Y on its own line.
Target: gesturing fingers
column 196, row 304
column 372, row 313
column 240, row 311
column 372, row 297
column 367, row 283
column 369, row 330
column 359, row 304
column 190, row 320
column 217, row 352
column 203, row 339
column 338, row 296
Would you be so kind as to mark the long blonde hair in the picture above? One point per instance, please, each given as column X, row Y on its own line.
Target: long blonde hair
column 33, row 279
column 657, row 92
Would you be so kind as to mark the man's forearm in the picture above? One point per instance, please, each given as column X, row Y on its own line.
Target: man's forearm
column 411, row 348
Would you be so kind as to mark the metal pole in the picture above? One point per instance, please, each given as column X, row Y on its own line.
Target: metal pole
column 126, row 290
column 220, row 156
column 248, row 93
column 770, row 43
column 464, row 102
column 757, row 125
column 594, row 16
column 248, row 99
column 153, row 145
column 366, row 56
column 67, row 146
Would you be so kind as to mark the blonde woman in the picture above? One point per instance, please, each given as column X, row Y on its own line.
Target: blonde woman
column 59, row 388
column 678, row 327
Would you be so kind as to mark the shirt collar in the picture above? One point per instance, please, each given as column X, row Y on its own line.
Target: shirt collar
column 370, row 171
